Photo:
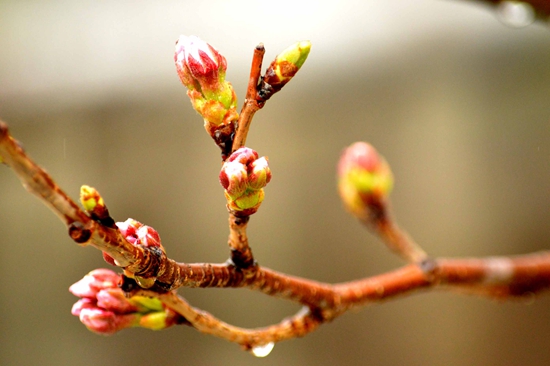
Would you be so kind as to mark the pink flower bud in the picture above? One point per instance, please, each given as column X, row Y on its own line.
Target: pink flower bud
column 105, row 309
column 364, row 178
column 107, row 322
column 243, row 176
column 95, row 281
column 233, row 177
column 260, row 174
column 201, row 69
column 199, row 65
column 113, row 299
column 138, row 234
column 84, row 303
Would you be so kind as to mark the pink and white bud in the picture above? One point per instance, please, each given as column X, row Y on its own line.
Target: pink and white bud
column 107, row 322
column 201, row 69
column 105, row 309
column 199, row 65
column 137, row 234
column 243, row 176
column 234, row 178
column 95, row 281
column 114, row 299
column 260, row 174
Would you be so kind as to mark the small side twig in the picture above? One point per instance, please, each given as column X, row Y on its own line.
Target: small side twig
column 379, row 220
column 251, row 104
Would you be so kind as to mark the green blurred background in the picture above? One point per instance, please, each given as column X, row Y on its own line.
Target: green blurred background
column 456, row 101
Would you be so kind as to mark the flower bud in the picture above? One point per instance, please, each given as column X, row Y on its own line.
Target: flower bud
column 107, row 322
column 283, row 68
column 199, row 65
column 114, row 299
column 201, row 69
column 95, row 281
column 260, row 173
column 105, row 309
column 139, row 235
column 243, row 176
column 364, row 179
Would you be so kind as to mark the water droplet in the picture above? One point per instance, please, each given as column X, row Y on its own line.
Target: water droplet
column 516, row 14
column 263, row 350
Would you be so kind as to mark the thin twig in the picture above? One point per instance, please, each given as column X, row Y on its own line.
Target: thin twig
column 241, row 254
column 298, row 325
column 251, row 104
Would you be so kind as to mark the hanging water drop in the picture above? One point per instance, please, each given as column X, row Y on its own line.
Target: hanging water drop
column 516, row 14
column 263, row 350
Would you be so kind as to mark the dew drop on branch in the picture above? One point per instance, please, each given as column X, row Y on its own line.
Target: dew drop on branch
column 263, row 350
column 516, row 14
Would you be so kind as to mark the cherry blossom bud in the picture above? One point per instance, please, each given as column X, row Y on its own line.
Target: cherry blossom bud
column 199, row 65
column 364, row 179
column 260, row 174
column 243, row 176
column 283, row 68
column 201, row 69
column 107, row 322
column 115, row 300
column 105, row 309
column 139, row 235
column 95, row 281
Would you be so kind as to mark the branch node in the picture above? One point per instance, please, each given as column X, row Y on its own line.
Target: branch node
column 79, row 233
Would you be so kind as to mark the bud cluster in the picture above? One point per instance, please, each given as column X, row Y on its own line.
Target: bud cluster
column 103, row 308
column 201, row 69
column 243, row 176
column 137, row 234
column 364, row 179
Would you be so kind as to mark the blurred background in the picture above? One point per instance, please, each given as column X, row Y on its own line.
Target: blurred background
column 457, row 101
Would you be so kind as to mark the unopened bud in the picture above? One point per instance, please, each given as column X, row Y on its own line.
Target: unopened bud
column 201, row 69
column 283, row 68
column 95, row 281
column 104, row 308
column 95, row 206
column 139, row 235
column 199, row 65
column 364, row 179
column 106, row 322
column 243, row 176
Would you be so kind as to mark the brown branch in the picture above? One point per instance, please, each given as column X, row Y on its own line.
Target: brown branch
column 377, row 219
column 298, row 325
column 498, row 277
column 251, row 104
column 241, row 254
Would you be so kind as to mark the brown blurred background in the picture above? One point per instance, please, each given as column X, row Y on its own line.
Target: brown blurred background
column 456, row 101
